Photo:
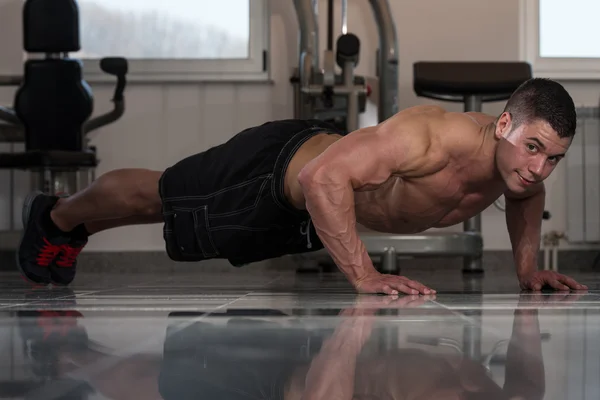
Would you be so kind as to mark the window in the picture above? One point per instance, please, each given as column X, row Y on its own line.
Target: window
column 561, row 39
column 176, row 40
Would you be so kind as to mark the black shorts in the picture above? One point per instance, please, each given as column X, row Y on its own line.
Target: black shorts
column 229, row 203
column 249, row 356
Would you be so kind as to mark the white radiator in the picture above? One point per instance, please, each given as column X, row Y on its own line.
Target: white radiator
column 583, row 179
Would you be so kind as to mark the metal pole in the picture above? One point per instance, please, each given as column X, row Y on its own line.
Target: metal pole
column 308, row 61
column 352, row 117
column 389, row 262
column 309, row 30
column 473, row 103
column 12, row 193
column 344, row 17
column 388, row 59
column 330, row 22
column 473, row 264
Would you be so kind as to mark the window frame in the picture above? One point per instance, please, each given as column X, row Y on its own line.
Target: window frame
column 568, row 68
column 251, row 69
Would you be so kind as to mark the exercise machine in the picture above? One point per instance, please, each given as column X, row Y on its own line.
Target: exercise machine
column 53, row 103
column 321, row 94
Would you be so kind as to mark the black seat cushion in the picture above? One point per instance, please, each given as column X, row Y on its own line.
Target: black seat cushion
column 48, row 159
column 493, row 79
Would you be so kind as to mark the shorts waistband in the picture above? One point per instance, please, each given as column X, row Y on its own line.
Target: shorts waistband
column 283, row 160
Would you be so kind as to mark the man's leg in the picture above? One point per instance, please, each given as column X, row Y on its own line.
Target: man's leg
column 93, row 227
column 56, row 229
column 124, row 196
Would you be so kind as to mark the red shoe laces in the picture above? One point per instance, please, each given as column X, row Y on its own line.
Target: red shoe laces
column 47, row 253
column 69, row 255
column 57, row 322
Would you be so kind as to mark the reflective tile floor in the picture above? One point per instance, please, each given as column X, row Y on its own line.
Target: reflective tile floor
column 281, row 336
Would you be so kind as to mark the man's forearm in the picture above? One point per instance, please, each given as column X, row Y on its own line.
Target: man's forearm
column 332, row 371
column 524, row 359
column 330, row 202
column 524, row 223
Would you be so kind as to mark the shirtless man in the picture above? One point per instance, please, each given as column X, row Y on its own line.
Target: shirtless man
column 294, row 186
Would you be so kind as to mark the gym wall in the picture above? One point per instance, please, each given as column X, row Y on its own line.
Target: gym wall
column 165, row 122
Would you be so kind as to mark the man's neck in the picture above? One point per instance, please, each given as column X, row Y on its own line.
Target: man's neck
column 486, row 157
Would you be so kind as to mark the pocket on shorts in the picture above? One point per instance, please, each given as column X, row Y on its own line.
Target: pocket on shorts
column 240, row 199
column 192, row 232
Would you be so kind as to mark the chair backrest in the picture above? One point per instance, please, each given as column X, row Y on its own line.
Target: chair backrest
column 54, row 101
column 53, row 104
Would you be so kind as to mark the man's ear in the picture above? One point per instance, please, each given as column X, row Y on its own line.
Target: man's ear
column 503, row 125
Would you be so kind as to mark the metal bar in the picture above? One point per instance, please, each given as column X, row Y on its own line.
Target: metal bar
column 9, row 115
column 473, row 264
column 317, row 90
column 472, row 334
column 473, row 103
column 11, row 195
column 11, row 80
column 105, row 119
column 344, row 17
column 11, row 133
column 309, row 31
column 330, row 23
column 388, row 59
column 430, row 244
column 308, row 62
column 389, row 262
column 352, row 117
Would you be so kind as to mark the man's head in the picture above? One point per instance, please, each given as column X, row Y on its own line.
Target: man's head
column 534, row 132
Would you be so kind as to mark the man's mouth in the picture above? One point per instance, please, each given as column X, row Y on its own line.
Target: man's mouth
column 525, row 181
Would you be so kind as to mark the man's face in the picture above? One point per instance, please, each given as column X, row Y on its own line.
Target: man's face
column 528, row 154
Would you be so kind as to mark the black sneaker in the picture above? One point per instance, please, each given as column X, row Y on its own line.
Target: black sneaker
column 46, row 254
column 62, row 271
column 37, row 251
column 47, row 334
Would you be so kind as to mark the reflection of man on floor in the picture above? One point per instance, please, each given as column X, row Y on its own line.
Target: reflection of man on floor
column 250, row 359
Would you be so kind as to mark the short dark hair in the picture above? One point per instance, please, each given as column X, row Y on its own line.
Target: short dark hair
column 546, row 100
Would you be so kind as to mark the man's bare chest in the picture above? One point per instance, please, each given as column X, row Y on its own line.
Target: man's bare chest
column 411, row 206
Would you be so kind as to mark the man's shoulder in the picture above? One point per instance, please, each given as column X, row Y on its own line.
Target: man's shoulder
column 462, row 133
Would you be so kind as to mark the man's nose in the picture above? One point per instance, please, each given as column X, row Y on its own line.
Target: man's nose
column 536, row 166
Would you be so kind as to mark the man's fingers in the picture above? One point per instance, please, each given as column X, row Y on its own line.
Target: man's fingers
column 407, row 300
column 410, row 301
column 571, row 283
column 555, row 283
column 418, row 286
column 399, row 286
column 536, row 286
column 387, row 289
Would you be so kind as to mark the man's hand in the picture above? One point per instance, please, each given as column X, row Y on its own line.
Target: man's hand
column 376, row 282
column 535, row 301
column 539, row 279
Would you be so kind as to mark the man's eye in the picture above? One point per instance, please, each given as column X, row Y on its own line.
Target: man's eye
column 531, row 147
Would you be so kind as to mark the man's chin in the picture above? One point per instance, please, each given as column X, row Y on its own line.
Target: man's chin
column 516, row 188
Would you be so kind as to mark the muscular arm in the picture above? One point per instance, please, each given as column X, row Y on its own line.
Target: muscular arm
column 525, row 377
column 363, row 159
column 524, row 223
column 332, row 373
